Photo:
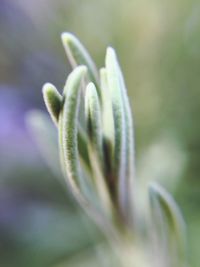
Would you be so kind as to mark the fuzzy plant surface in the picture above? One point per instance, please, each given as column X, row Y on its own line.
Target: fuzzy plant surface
column 96, row 146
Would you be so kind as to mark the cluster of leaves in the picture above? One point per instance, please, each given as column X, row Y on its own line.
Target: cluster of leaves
column 96, row 145
column 97, row 151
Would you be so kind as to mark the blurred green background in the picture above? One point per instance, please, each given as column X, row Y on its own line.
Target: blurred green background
column 158, row 44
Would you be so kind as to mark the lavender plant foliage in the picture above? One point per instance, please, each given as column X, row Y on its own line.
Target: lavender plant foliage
column 97, row 161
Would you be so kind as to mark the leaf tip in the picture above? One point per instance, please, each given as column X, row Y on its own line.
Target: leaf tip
column 53, row 100
column 67, row 37
column 110, row 52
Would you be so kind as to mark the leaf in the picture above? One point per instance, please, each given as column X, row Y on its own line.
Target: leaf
column 95, row 145
column 169, row 224
column 116, row 92
column 78, row 55
column 69, row 123
column 53, row 101
column 130, row 161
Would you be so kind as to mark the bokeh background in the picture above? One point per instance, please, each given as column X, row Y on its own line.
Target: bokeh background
column 158, row 44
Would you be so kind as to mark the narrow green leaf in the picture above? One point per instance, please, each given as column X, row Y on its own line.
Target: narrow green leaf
column 130, row 161
column 169, row 224
column 71, row 95
column 95, row 145
column 116, row 92
column 108, row 133
column 129, row 128
column 53, row 101
column 78, row 55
